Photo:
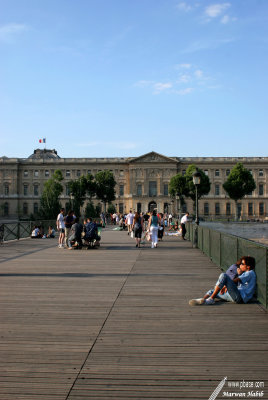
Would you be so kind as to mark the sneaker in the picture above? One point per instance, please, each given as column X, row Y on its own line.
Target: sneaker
column 59, row 246
column 196, row 302
column 209, row 301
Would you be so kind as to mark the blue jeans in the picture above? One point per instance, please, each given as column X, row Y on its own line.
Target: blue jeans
column 233, row 295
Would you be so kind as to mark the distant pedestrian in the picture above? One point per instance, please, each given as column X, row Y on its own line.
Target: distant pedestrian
column 129, row 221
column 153, row 227
column 61, row 227
column 183, row 225
column 138, row 228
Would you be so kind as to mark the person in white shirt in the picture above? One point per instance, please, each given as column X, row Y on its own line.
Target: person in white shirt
column 61, row 228
column 129, row 221
column 183, row 228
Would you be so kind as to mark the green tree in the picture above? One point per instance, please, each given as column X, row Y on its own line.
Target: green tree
column 111, row 208
column 49, row 202
column 90, row 210
column 240, row 183
column 105, row 184
column 79, row 189
column 203, row 188
column 178, row 188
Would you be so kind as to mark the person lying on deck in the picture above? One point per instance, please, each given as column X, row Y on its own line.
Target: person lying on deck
column 238, row 290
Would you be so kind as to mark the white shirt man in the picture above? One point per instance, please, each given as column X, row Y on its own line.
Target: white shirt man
column 61, row 227
column 129, row 220
column 183, row 222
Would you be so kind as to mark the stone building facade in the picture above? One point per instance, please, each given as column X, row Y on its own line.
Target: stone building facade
column 142, row 182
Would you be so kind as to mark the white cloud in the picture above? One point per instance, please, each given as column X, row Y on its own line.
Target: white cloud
column 215, row 10
column 198, row 73
column 143, row 83
column 184, row 78
column 186, row 91
column 7, row 32
column 184, row 6
column 160, row 87
column 184, row 66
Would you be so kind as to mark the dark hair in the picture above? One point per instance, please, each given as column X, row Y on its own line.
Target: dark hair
column 154, row 213
column 249, row 261
column 137, row 216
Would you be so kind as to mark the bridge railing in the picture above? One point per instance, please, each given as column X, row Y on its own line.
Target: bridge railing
column 225, row 249
column 21, row 229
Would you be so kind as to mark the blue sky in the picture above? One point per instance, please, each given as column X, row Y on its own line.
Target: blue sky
column 109, row 78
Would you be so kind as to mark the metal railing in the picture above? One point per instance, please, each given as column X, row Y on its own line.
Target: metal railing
column 21, row 229
column 224, row 249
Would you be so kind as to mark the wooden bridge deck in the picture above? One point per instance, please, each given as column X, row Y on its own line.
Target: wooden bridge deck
column 115, row 323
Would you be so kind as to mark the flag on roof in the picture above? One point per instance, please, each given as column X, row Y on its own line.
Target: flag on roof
column 42, row 140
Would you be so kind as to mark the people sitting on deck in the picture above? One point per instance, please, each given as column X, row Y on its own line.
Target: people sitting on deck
column 91, row 233
column 51, row 232
column 36, row 233
column 238, row 290
column 74, row 239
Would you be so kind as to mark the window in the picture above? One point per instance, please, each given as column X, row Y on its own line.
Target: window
column 206, row 209
column 35, row 208
column 217, row 208
column 68, row 173
column 261, row 189
column 217, row 172
column 260, row 172
column 152, row 188
column 35, row 190
column 139, row 207
column 46, row 172
column 217, row 190
column 36, row 173
column 228, row 172
column 261, row 209
column 67, row 190
column 165, row 189
column 250, row 209
column 6, row 209
column 78, row 173
column 139, row 190
column 25, row 190
column 183, row 172
column 121, row 208
column 89, row 171
column 165, row 207
column 6, row 189
column 25, row 173
column 228, row 209
column 184, row 208
column 206, row 172
column 250, row 170
column 239, row 209
column 25, row 208
column 121, row 190
column 121, row 173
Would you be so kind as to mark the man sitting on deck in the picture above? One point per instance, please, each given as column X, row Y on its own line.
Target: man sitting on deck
column 238, row 290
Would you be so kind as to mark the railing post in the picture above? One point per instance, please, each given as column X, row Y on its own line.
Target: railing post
column 18, row 231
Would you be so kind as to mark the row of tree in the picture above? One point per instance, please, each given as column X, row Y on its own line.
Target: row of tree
column 102, row 187
column 239, row 183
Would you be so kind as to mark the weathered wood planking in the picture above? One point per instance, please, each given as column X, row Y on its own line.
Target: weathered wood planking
column 115, row 323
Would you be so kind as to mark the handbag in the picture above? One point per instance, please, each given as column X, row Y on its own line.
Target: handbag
column 132, row 234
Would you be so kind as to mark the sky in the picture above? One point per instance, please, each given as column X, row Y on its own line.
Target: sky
column 121, row 78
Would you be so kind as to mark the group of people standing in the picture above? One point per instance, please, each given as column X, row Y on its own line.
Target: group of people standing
column 71, row 230
column 150, row 225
